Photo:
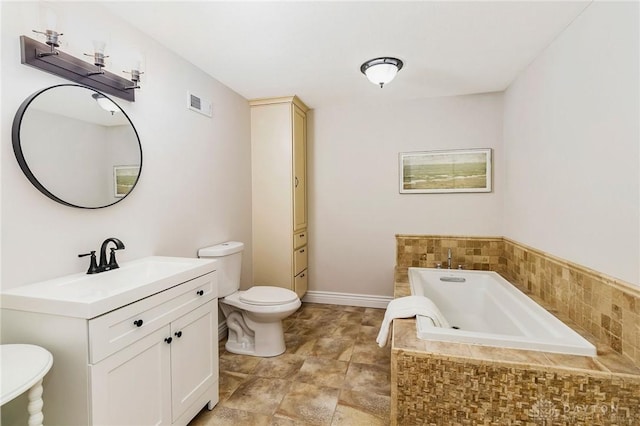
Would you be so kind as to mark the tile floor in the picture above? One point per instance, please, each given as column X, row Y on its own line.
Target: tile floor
column 332, row 373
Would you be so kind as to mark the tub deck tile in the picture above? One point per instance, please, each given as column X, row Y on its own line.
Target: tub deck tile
column 516, row 356
column 615, row 363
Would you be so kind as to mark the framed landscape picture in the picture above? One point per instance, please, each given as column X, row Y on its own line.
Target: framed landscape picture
column 429, row 172
column 124, row 177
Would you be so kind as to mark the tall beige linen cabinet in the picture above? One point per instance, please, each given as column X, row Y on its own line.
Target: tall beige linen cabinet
column 279, row 192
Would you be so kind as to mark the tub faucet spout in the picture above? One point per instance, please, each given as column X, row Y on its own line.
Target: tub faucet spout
column 449, row 259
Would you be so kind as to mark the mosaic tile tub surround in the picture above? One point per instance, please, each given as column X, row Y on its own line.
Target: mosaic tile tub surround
column 461, row 384
column 606, row 308
column 438, row 390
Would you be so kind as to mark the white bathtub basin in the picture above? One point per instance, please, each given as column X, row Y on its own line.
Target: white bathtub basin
column 87, row 296
column 491, row 311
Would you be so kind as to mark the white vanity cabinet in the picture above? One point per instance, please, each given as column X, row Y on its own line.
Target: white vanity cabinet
column 150, row 362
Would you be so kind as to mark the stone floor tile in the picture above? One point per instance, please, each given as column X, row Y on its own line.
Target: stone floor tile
column 258, row 395
column 332, row 373
column 367, row 403
column 340, row 349
column 373, row 317
column 229, row 382
column 368, row 378
column 312, row 405
column 223, row 416
column 323, row 372
column 280, row 367
column 298, row 344
column 371, row 353
column 238, row 363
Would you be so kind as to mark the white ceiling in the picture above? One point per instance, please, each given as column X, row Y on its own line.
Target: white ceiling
column 315, row 49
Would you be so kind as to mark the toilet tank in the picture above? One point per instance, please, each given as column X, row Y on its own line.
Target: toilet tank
column 229, row 257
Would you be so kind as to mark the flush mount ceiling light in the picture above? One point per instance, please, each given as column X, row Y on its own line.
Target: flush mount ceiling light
column 105, row 103
column 381, row 71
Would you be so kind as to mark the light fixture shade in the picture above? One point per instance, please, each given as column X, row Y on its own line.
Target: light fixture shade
column 99, row 46
column 105, row 103
column 381, row 71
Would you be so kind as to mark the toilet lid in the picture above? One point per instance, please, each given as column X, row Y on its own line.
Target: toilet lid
column 266, row 295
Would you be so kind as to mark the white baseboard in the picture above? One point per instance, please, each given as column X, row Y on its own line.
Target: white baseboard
column 350, row 299
column 222, row 330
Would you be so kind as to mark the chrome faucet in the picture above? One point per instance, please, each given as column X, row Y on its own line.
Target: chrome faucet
column 449, row 259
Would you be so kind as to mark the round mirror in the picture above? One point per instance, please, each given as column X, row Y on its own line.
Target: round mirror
column 77, row 146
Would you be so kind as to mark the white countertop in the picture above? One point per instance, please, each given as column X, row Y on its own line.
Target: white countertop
column 22, row 366
column 88, row 296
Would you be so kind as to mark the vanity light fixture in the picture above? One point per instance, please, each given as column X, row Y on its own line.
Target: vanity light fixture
column 51, row 39
column 105, row 103
column 135, row 78
column 46, row 58
column 381, row 71
column 98, row 56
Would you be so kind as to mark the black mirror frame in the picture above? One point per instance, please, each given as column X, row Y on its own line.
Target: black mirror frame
column 17, row 147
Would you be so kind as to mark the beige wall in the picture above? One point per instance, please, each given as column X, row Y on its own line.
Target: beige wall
column 195, row 187
column 571, row 141
column 355, row 208
column 567, row 174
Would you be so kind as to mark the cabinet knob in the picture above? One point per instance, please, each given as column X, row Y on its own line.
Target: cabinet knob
column 138, row 323
column 168, row 340
column 200, row 292
column 178, row 334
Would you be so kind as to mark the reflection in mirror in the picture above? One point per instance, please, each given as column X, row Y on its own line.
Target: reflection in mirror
column 77, row 146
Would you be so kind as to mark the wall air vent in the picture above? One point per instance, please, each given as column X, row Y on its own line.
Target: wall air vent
column 198, row 104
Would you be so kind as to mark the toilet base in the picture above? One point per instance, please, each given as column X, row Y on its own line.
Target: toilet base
column 244, row 348
column 267, row 342
column 249, row 337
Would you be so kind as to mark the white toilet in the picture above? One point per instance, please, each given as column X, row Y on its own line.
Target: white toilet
column 254, row 317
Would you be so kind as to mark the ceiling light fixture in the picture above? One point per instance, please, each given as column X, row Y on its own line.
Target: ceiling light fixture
column 381, row 71
column 105, row 103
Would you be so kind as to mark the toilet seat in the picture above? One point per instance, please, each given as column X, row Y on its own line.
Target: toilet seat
column 268, row 296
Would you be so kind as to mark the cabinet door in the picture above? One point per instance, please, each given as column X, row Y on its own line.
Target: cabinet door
column 133, row 386
column 301, row 284
column 194, row 356
column 299, row 170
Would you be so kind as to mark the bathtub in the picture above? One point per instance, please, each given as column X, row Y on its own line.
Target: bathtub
column 485, row 309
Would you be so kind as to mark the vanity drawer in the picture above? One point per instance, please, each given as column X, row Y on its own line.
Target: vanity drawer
column 115, row 330
column 300, row 260
column 301, row 282
column 300, row 239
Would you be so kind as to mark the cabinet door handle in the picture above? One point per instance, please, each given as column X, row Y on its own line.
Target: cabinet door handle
column 178, row 334
column 301, row 275
column 200, row 292
column 138, row 323
column 301, row 235
column 302, row 251
column 296, row 179
column 168, row 340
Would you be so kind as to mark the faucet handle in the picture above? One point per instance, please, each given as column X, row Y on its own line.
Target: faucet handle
column 112, row 259
column 93, row 265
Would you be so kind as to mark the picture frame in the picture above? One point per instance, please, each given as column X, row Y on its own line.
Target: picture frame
column 433, row 172
column 124, row 178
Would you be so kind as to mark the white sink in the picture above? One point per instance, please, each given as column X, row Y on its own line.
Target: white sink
column 88, row 296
